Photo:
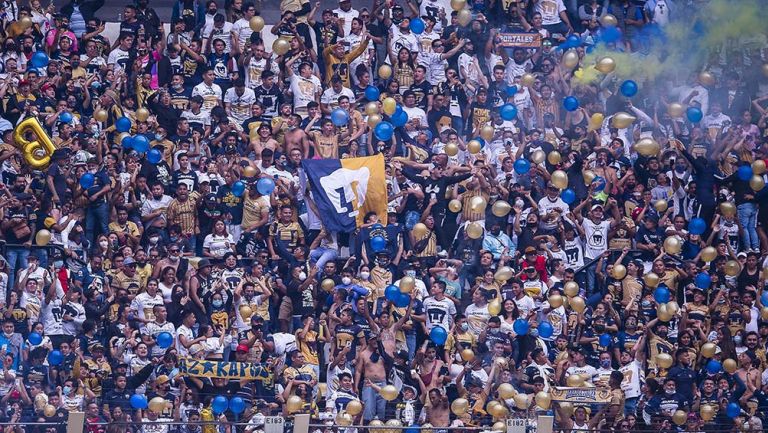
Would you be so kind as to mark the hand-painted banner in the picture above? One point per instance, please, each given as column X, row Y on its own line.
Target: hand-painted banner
column 222, row 369
column 581, row 395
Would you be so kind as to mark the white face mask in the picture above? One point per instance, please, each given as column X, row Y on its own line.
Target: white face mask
column 104, row 244
column 302, row 276
column 173, row 258
column 153, row 240
column 365, row 275
column 346, row 281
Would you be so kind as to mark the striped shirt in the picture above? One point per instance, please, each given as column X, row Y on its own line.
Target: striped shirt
column 466, row 212
column 184, row 214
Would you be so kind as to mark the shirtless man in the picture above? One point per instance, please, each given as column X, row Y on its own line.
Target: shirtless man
column 387, row 331
column 749, row 375
column 439, row 413
column 295, row 137
column 369, row 364
column 263, row 139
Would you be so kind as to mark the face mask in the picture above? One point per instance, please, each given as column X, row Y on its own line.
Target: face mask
column 737, row 340
column 302, row 276
column 680, row 168
column 173, row 258
column 66, row 390
column 103, row 244
column 668, row 392
column 178, row 86
column 153, row 240
column 465, row 327
column 495, row 197
column 346, row 281
column 519, row 203
column 534, row 333
column 218, row 303
column 599, row 328
column 365, row 275
column 159, row 137
column 411, row 274
column 605, row 363
column 27, row 49
column 646, row 304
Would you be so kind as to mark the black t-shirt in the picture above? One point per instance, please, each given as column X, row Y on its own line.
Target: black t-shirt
column 422, row 91
column 303, row 300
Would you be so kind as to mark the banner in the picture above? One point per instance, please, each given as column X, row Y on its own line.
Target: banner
column 344, row 190
column 581, row 395
column 222, row 369
column 522, row 40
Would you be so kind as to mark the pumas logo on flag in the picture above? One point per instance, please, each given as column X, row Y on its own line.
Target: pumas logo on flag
column 345, row 190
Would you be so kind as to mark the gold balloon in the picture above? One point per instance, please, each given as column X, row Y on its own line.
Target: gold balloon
column 708, row 349
column 758, row 166
column 675, row 110
column 157, row 405
column 389, row 105
column 376, row 423
column 459, row 406
column 385, row 71
column 664, row 360
column 503, row 274
column 574, row 380
column 454, row 205
column 486, row 132
column 477, row 204
column 559, row 179
column 707, row 412
column 708, row 254
column 619, row 271
column 527, row 80
column 388, row 392
column 596, row 121
column 451, row 149
column 727, row 208
column 501, row 362
column 499, row 427
column 647, row 147
column 26, row 22
column 622, row 120
column 256, row 23
column 344, row 418
column 555, row 301
column 458, row 5
column 566, row 408
column 756, row 183
column 543, row 399
column 538, row 156
column 661, row 205
column 491, row 406
column 764, row 68
column 49, row 410
column 474, row 147
column 554, row 157
column 672, row 245
column 396, row 423
column 732, row 268
column 707, row 79
column 100, row 115
column 245, row 312
column 142, row 114
column 680, row 417
column 42, row 237
column 578, row 304
column 494, row 307
column 588, row 176
column 328, row 284
column 521, row 401
column 501, row 208
column 249, row 171
column 464, row 17
column 571, row 288
column 651, row 280
column 467, row 355
column 571, row 59
column 663, row 313
column 609, row 20
column 606, row 65
column 499, row 410
column 419, row 231
column 372, row 108
column 764, row 313
column 119, row 137
column 281, row 46
column 506, row 391
column 673, row 307
column 730, row 366
column 407, row 284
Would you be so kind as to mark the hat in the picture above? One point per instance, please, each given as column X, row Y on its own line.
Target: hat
column 111, row 93
column 203, row 178
column 129, row 261
column 162, row 379
column 447, row 128
column 202, row 263
column 530, row 250
column 96, row 346
column 23, row 83
column 596, row 205
column 211, row 197
column 60, row 154
column 741, row 254
column 242, row 348
column 257, row 318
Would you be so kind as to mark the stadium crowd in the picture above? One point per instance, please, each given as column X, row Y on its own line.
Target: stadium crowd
column 572, row 226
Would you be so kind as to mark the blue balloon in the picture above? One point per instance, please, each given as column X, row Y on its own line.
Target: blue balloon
column 438, row 335
column 66, row 117
column 139, row 401
column 402, row 300
column 697, row 226
column 391, row 292
column 764, row 299
column 265, row 186
column 694, row 114
column 123, row 124
column 570, row 103
column 546, row 329
column 417, row 25
column 573, row 41
column 127, row 142
column 339, row 117
column 599, row 183
column 662, row 295
column 219, row 404
column 568, row 196
column 703, row 281
column 154, row 156
column 399, row 118
column 714, row 366
column 87, row 180
column 413, row 429
column 605, row 340
column 236, row 405
column 610, row 34
column 508, row 111
column 55, row 357
column 522, row 166
column 590, row 49
column 511, row 90
column 39, row 59
column 520, row 326
column 372, row 93
column 378, row 243
column 733, row 410
column 744, row 172
column 629, row 88
column 238, row 188
column 35, row 338
column 384, row 131
column 164, row 340
column 140, row 143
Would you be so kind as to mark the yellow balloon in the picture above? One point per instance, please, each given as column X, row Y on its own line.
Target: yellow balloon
column 538, row 156
column 675, row 110
column 373, row 120
column 596, row 121
column 619, row 272
column 651, row 280
column 294, row 404
column 554, row 157
column 454, row 205
column 157, row 405
column 571, row 288
column 464, row 17
column 503, row 274
column 49, row 410
column 419, row 230
column 100, row 115
column 42, row 237
column 664, row 360
column 494, row 307
column 543, row 399
column 256, row 23
column 707, row 412
column 459, row 406
column 249, row 171
column 663, row 313
column 756, row 183
column 609, row 20
column 622, row 120
column 559, row 179
column 521, row 401
column 588, row 176
column 372, row 108
column 758, row 166
column 467, row 355
column 708, row 254
column 142, row 114
column 385, row 71
column 555, row 301
column 458, row 5
column 328, row 284
column 245, row 312
column 506, row 391
column 571, row 59
column 527, row 80
column 343, row 418
column 680, row 417
column 730, row 366
column 660, row 205
column 389, row 105
column 281, row 46
column 672, row 245
column 477, row 204
column 732, row 268
column 578, row 304
column 499, row 410
column 407, row 284
column 727, row 208
column 672, row 307
column 486, row 132
column 451, row 149
column 708, row 349
column 606, row 65
column 574, row 380
column 501, row 208
column 647, row 147
column 707, row 79
column 474, row 147
column 388, row 392
column 26, row 22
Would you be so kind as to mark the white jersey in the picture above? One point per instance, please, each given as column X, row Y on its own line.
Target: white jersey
column 632, row 377
column 242, row 29
column 76, row 311
column 304, row 89
column 211, row 96
column 153, row 329
column 432, row 8
column 477, row 318
column 254, row 70
column 439, row 313
column 435, row 66
column 346, row 18
column 587, row 372
column 200, row 119
column 143, row 305
column 52, row 314
column 557, row 318
column 224, row 34
column 525, row 305
column 597, row 237
column 574, row 252
column 550, row 11
column 188, row 334
column 331, row 98
column 546, row 206
column 118, row 59
column 239, row 105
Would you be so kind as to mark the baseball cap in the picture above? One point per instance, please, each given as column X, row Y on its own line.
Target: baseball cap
column 242, row 348
column 596, row 205
column 129, row 261
column 529, row 250
column 162, row 379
